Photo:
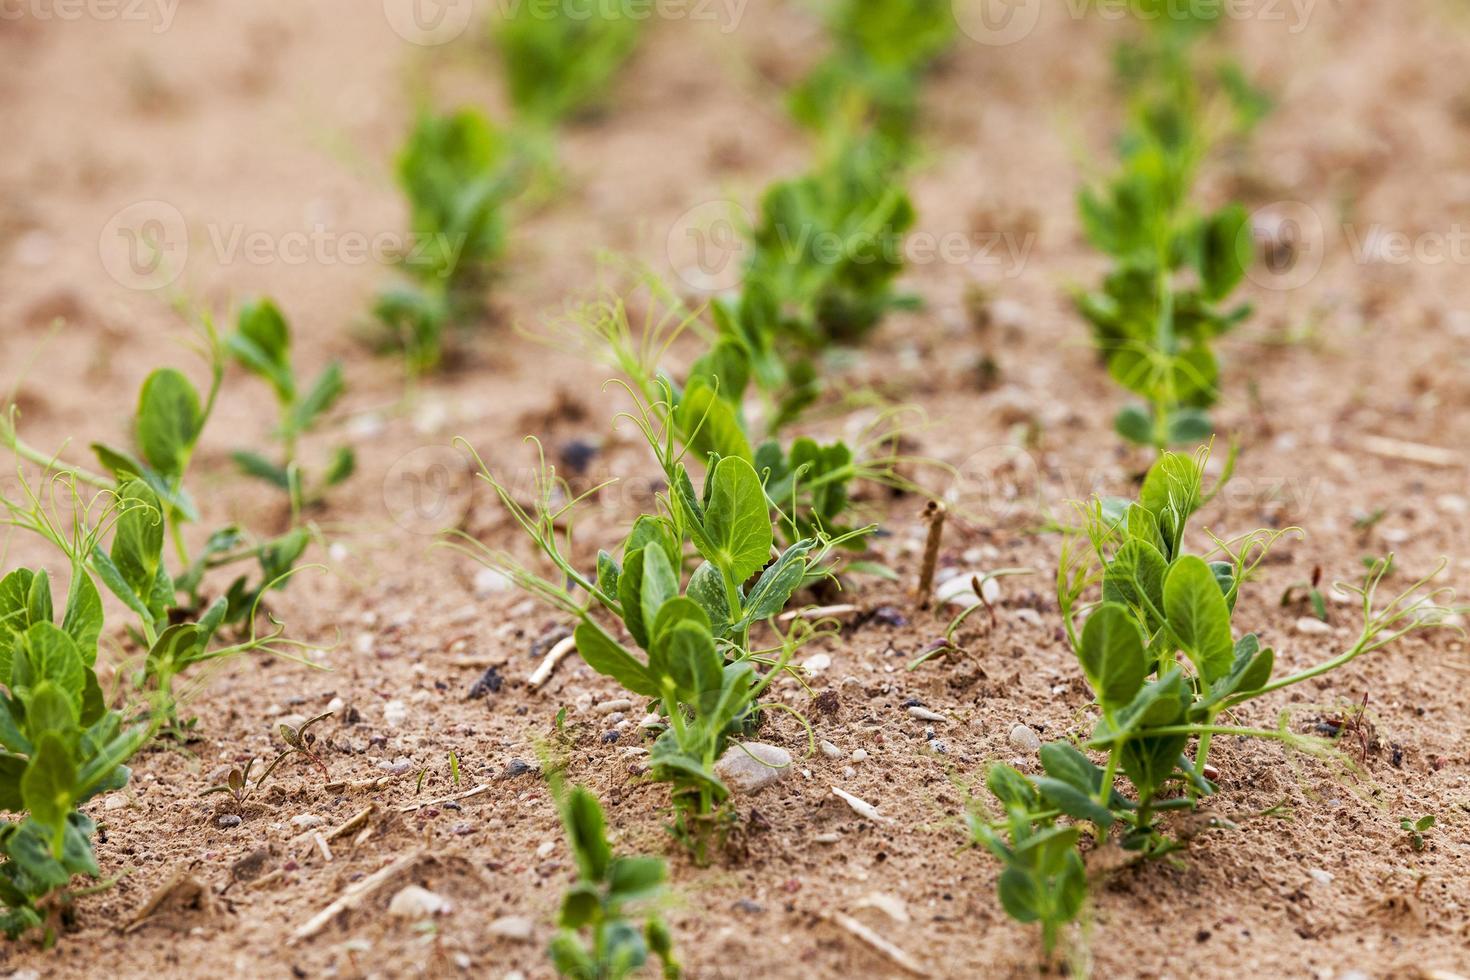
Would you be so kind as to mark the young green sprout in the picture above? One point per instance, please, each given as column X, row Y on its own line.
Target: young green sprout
column 262, row 343
column 599, row 904
column 1165, row 661
column 559, row 60
column 459, row 172
column 697, row 663
column 882, row 50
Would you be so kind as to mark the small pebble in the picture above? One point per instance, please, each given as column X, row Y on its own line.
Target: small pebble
column 924, row 714
column 829, row 750
column 514, row 768
column 1311, row 625
column 752, row 766
column 620, row 704
column 544, row 851
column 414, row 902
column 1022, row 737
column 306, row 821
column 395, row 713
column 859, row 755
column 228, row 820
column 817, row 663
column 1319, row 876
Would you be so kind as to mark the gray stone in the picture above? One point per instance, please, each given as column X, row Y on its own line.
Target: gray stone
column 752, row 766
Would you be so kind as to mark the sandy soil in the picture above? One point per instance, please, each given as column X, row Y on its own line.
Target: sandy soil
column 282, row 116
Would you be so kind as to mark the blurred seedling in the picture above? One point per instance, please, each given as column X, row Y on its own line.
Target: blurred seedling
column 1311, row 590
column 1416, row 829
column 299, row 741
column 262, row 343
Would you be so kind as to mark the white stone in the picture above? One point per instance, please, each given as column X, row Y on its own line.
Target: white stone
column 306, row 821
column 959, row 590
column 414, row 902
column 1311, row 625
column 516, row 928
column 752, row 766
column 859, row 755
column 544, row 851
column 395, row 713
column 830, row 750
column 817, row 663
column 1022, row 737
column 488, row 582
column 1319, row 876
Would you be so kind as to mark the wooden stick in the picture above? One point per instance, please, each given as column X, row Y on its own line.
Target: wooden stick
column 877, row 942
column 819, row 612
column 548, row 663
column 1414, row 452
column 321, row 846
column 353, row 897
column 934, row 513
column 409, row 808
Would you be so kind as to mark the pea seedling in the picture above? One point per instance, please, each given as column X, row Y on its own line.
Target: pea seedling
column 881, row 52
column 698, row 665
column 458, row 172
column 1162, row 657
column 262, row 343
column 599, row 902
column 560, row 60
column 808, row 484
column 1416, row 829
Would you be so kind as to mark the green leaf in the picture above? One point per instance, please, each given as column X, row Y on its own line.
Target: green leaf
column 1189, row 426
column 169, row 421
column 603, row 654
column 581, row 906
column 1224, row 251
column 323, row 394
column 1135, row 578
column 652, row 530
column 1171, row 493
column 1010, row 787
column 1073, row 802
column 1020, row 895
column 1199, row 618
column 608, row 571
column 711, row 423
column 341, row 466
column 83, row 619
column 137, row 539
column 262, row 344
column 632, row 878
column 736, row 520
column 678, row 609
column 1135, row 424
column 255, row 465
column 659, row 584
column 707, row 587
column 51, row 655
column 47, row 785
column 773, row 589
column 587, row 833
column 630, row 595
column 685, row 661
column 1111, row 653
